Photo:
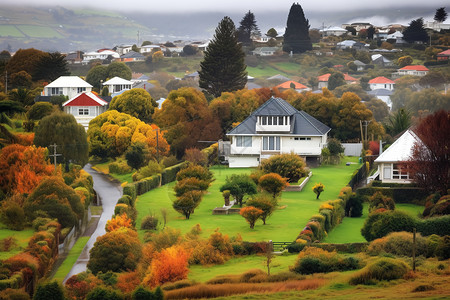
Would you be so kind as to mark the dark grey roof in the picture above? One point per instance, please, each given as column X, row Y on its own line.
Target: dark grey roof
column 380, row 92
column 144, row 85
column 252, row 86
column 301, row 122
column 132, row 54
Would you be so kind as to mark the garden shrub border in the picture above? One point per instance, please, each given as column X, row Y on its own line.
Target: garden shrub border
column 413, row 195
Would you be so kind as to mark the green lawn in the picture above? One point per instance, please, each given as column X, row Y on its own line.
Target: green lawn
column 10, row 30
column 71, row 258
column 349, row 231
column 39, row 31
column 22, row 238
column 240, row 265
column 104, row 168
column 295, row 208
column 264, row 71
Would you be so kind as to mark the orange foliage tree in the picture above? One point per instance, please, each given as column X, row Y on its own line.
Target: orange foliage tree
column 251, row 214
column 22, row 168
column 170, row 265
column 119, row 222
column 272, row 183
column 127, row 282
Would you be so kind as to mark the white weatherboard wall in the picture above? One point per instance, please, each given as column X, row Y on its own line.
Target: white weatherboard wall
column 302, row 147
column 243, row 161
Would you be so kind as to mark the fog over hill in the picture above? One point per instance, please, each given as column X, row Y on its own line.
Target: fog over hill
column 63, row 29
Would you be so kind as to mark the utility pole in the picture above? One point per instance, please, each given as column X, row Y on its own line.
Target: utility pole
column 137, row 39
column 54, row 155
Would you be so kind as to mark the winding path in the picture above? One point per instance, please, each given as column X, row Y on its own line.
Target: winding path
column 108, row 193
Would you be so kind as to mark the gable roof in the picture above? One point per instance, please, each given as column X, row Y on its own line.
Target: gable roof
column 85, row 99
column 278, row 77
column 132, row 54
column 381, row 80
column 117, row 80
column 325, row 77
column 401, row 149
column 415, row 68
column 287, row 85
column 68, row 81
column 301, row 122
column 444, row 53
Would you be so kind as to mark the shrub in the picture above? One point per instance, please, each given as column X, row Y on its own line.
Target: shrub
column 196, row 156
column 398, row 243
column 7, row 244
column 272, row 183
column 169, row 174
column 318, row 188
column 442, row 207
column 381, row 269
column 264, row 202
column 378, row 200
column 40, row 222
column 12, row 215
column 199, row 172
column 117, row 222
column 296, row 247
column 141, row 293
column 49, row 291
column 251, row 215
column 152, row 168
column 190, row 184
column 443, row 248
column 290, row 166
column 169, row 161
column 130, row 190
column 14, row 294
column 119, row 167
column 354, row 206
column 379, row 224
column 101, row 293
column 149, row 223
column 125, row 199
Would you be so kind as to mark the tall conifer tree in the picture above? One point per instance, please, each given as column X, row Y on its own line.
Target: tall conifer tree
column 296, row 37
column 247, row 29
column 415, row 32
column 223, row 68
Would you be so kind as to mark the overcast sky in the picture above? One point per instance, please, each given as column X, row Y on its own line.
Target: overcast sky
column 181, row 6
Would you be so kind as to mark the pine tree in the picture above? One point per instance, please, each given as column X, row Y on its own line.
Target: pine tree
column 415, row 32
column 51, row 66
column 223, row 68
column 247, row 29
column 441, row 15
column 296, row 37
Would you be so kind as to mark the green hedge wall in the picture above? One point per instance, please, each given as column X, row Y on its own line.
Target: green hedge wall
column 434, row 225
column 169, row 174
column 13, row 282
column 399, row 194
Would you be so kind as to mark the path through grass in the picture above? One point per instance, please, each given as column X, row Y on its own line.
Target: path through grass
column 71, row 258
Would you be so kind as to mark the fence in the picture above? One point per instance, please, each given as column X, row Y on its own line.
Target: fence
column 360, row 175
column 352, row 149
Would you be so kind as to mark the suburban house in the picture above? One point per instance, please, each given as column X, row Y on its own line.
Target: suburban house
column 416, row 70
column 84, row 107
column 117, row 85
column 293, row 85
column 323, row 80
column 360, row 66
column 150, row 48
column 276, row 127
column 381, row 83
column 132, row 56
column 101, row 55
column 347, row 44
column 360, row 46
column 379, row 59
column 265, row 51
column 333, row 30
column 69, row 86
column 391, row 166
column 397, row 36
column 444, row 55
column 384, row 95
column 74, row 57
column 123, row 49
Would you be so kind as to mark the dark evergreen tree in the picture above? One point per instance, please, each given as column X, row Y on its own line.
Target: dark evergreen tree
column 223, row 68
column 441, row 15
column 370, row 32
column 296, row 37
column 335, row 80
column 247, row 29
column 272, row 33
column 49, row 291
column 50, row 67
column 415, row 32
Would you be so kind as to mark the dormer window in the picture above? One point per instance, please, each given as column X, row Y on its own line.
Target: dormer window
column 273, row 120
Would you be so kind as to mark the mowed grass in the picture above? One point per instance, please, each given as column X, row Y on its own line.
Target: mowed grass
column 240, row 265
column 10, row 30
column 71, row 258
column 349, row 231
column 104, row 168
column 22, row 238
column 295, row 208
column 39, row 31
column 264, row 71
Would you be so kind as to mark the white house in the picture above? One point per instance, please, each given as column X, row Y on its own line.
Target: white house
column 397, row 36
column 333, row 30
column 276, row 127
column 150, row 48
column 69, row 86
column 391, row 163
column 84, row 107
column 381, row 83
column 345, row 44
column 417, row 70
column 117, row 84
column 265, row 51
column 99, row 55
column 123, row 49
column 384, row 95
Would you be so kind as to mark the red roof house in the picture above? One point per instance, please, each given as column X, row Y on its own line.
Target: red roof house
column 84, row 107
column 381, row 83
column 444, row 55
column 416, row 70
column 288, row 84
column 323, row 80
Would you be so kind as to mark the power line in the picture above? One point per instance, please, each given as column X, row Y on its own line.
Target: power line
column 54, row 155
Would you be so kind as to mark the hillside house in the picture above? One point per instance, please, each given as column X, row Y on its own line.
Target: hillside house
column 276, row 127
column 132, row 56
column 123, row 49
column 380, row 60
column 416, row 70
column 360, row 66
column 323, row 80
column 150, row 48
column 116, row 85
column 100, row 55
column 444, row 55
column 265, row 51
column 381, row 83
column 292, row 85
column 347, row 44
column 391, row 163
column 333, row 31
column 384, row 95
column 84, row 107
column 69, row 86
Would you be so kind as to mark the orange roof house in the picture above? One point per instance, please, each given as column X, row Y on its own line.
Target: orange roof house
column 444, row 55
column 288, row 85
column 416, row 70
column 323, row 80
column 381, row 83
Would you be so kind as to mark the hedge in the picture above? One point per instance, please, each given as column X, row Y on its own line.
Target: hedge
column 434, row 225
column 13, row 282
column 436, row 63
column 399, row 194
column 147, row 184
column 169, row 174
column 130, row 190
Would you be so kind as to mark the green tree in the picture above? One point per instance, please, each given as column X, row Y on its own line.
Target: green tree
column 117, row 250
column 135, row 102
column 97, row 75
column 335, row 147
column 135, row 156
column 102, row 293
column 265, row 203
column 22, row 95
column 20, row 79
column 39, row 110
column 247, row 29
column 335, row 80
column 239, row 186
column 433, row 79
column 50, row 67
column 370, row 32
column 379, row 108
column 415, row 32
column 24, row 60
column 190, row 50
column 296, row 37
column 223, row 67
column 272, row 33
column 398, row 122
column 188, row 202
column 118, row 69
column 70, row 137
column 49, row 291
column 440, row 15
column 289, row 166
column 141, row 293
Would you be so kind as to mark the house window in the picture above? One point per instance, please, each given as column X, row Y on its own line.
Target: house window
column 56, row 91
column 243, row 141
column 81, row 89
column 280, row 120
column 399, row 172
column 83, row 111
column 387, row 172
column 264, row 120
column 302, row 138
column 269, row 120
column 271, row 143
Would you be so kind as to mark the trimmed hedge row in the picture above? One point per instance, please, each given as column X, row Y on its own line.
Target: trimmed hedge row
column 147, row 184
column 378, row 183
column 399, row 194
column 170, row 174
column 13, row 282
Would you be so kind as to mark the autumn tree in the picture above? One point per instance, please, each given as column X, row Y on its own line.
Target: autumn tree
column 415, row 32
column 118, row 250
column 186, row 116
column 57, row 200
column 196, row 156
column 135, row 102
column 404, row 61
column 318, row 188
column 24, row 60
column 440, row 15
column 117, row 222
column 379, row 201
column 223, row 66
column 430, row 100
column 430, row 163
column 196, row 171
column 49, row 291
column 247, row 29
column 272, row 183
column 265, row 203
column 296, row 36
column 251, row 215
column 288, row 165
column 70, row 137
column 239, row 186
